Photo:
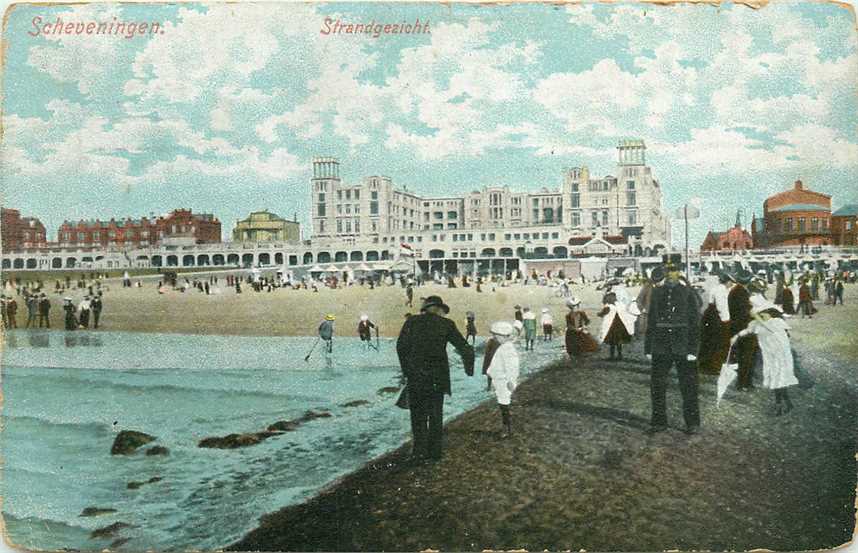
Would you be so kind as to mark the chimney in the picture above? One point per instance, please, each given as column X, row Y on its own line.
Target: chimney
column 799, row 185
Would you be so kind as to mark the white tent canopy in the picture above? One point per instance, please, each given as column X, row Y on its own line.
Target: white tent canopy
column 363, row 267
column 331, row 268
column 316, row 269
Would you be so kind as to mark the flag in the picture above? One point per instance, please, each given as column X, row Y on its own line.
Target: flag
column 405, row 250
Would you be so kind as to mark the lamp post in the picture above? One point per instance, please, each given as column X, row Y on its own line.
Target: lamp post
column 685, row 213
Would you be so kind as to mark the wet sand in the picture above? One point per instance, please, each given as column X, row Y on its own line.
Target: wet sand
column 579, row 473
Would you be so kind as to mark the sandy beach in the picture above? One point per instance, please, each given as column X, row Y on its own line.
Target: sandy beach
column 579, row 473
column 287, row 312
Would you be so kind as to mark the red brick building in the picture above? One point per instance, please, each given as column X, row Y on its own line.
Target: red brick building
column 17, row 233
column 203, row 228
column 795, row 217
column 844, row 225
column 736, row 238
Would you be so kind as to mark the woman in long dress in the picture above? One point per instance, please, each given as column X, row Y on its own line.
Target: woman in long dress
column 578, row 339
column 788, row 297
column 618, row 325
column 772, row 333
column 715, row 329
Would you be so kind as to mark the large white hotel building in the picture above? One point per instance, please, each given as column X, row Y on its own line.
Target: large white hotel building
column 623, row 212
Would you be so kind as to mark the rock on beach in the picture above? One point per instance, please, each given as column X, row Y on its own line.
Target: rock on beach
column 127, row 442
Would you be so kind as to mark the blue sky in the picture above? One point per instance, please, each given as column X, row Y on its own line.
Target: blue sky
column 224, row 110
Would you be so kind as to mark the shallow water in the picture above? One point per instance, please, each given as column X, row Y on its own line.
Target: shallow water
column 66, row 395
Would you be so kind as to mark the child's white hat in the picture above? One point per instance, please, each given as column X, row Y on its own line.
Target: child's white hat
column 501, row 328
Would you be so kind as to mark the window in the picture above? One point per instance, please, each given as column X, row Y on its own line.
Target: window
column 788, row 224
column 321, row 210
column 507, row 237
column 321, row 198
column 491, row 236
column 517, row 236
column 348, row 226
column 112, row 233
column 814, row 223
column 801, row 223
column 438, row 226
column 339, row 194
column 595, row 218
column 545, row 236
column 452, row 214
column 339, row 226
column 536, row 215
column 848, row 225
column 438, row 215
column 321, row 227
column 451, row 225
column 373, row 195
column 357, row 194
column 348, row 194
column 339, row 209
column 373, row 208
column 96, row 236
column 631, row 196
column 555, row 235
column 526, row 236
column 576, row 218
column 632, row 217
column 604, row 217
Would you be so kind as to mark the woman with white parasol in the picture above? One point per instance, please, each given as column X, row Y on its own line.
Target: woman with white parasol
column 773, row 339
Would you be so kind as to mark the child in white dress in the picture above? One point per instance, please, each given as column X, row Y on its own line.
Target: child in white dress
column 504, row 371
column 773, row 339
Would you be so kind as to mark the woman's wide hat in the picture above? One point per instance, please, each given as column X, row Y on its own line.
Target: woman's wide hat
column 432, row 301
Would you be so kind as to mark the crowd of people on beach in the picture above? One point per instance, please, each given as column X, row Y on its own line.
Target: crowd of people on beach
column 721, row 324
column 36, row 302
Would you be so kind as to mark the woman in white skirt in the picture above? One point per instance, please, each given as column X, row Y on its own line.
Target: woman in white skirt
column 773, row 339
column 504, row 371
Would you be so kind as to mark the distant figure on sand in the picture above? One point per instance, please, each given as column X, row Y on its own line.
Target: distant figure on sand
column 578, row 338
column 70, row 319
column 422, row 351
column 547, row 325
column 504, row 371
column 326, row 332
column 618, row 325
column 529, row 329
column 364, row 329
column 471, row 327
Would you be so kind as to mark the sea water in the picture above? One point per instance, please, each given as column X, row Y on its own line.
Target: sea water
column 67, row 394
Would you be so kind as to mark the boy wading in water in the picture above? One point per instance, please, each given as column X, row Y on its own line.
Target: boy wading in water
column 529, row 329
column 504, row 371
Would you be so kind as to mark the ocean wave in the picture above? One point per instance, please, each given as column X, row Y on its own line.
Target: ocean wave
column 83, row 425
column 38, row 521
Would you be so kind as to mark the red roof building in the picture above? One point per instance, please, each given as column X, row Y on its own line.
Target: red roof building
column 17, row 233
column 795, row 217
column 736, row 238
column 203, row 228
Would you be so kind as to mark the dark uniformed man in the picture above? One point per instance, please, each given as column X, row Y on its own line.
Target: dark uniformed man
column 422, row 350
column 671, row 339
column 739, row 305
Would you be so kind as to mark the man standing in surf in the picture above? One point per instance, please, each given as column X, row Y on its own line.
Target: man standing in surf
column 422, row 351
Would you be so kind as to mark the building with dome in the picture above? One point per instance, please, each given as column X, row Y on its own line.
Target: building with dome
column 797, row 217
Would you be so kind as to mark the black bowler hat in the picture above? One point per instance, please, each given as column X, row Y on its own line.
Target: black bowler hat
column 657, row 273
column 433, row 301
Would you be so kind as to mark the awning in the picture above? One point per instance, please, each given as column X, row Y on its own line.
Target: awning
column 316, row 269
column 363, row 267
column 331, row 268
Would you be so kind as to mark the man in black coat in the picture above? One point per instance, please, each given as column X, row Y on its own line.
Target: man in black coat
column 422, row 350
column 672, row 337
column 739, row 305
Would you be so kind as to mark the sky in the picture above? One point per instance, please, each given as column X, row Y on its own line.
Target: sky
column 223, row 111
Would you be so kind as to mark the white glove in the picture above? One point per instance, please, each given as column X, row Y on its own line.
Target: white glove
column 510, row 386
column 691, row 357
column 649, row 357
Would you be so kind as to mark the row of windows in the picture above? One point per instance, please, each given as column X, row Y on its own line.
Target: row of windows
column 801, row 224
column 109, row 235
column 348, row 194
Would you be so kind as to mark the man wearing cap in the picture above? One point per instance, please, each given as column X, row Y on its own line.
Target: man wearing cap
column 422, row 351
column 672, row 339
column 745, row 349
column 326, row 332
